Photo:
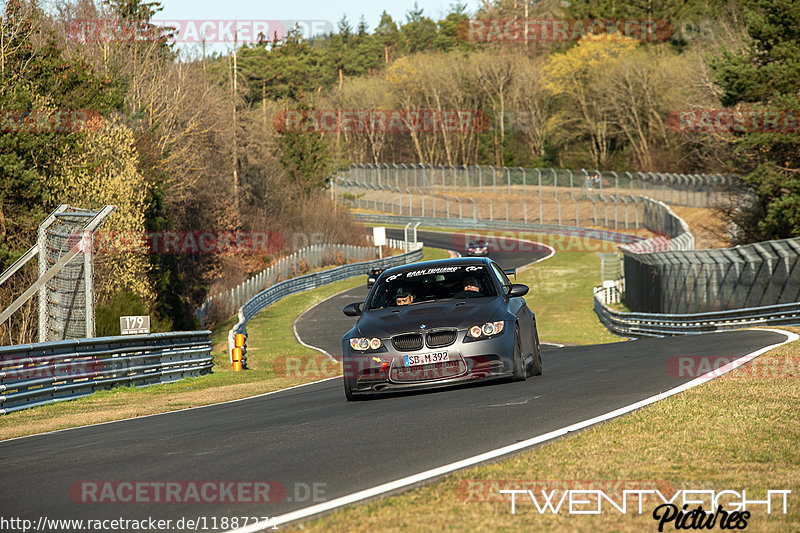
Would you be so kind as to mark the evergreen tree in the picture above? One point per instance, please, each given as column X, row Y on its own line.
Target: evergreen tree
column 419, row 32
column 767, row 77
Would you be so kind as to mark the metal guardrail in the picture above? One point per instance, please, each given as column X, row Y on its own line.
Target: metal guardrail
column 48, row 372
column 662, row 325
column 310, row 257
column 272, row 294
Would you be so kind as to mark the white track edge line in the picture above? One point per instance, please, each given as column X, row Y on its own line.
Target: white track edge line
column 505, row 450
column 294, row 324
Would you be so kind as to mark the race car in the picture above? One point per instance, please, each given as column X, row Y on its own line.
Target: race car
column 373, row 275
column 477, row 248
column 439, row 323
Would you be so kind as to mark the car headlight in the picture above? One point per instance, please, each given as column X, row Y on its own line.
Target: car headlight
column 486, row 330
column 363, row 344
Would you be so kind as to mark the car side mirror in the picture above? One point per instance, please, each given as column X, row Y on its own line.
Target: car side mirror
column 354, row 309
column 518, row 289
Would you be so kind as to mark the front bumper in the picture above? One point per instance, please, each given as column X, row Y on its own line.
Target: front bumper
column 469, row 361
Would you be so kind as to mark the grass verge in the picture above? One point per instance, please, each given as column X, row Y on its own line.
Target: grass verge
column 735, row 432
column 561, row 297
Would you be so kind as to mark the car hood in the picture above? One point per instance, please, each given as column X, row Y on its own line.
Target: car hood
column 445, row 314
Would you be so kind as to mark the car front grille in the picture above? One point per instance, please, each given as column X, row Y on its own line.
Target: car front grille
column 437, row 339
column 408, row 342
column 431, row 372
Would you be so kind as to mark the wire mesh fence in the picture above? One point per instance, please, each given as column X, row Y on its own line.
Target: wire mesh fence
column 694, row 190
column 552, row 196
column 65, row 275
column 65, row 313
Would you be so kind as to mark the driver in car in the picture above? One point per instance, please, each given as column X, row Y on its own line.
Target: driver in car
column 471, row 287
column 404, row 298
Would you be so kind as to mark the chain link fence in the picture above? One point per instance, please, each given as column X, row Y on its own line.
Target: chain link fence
column 65, row 283
column 552, row 196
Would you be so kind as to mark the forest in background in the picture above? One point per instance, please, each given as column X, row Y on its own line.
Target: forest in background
column 187, row 143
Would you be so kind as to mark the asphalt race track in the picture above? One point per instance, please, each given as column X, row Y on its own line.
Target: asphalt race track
column 311, row 435
column 310, row 439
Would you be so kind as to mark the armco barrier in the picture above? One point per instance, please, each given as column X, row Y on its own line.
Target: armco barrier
column 48, row 372
column 662, row 324
column 272, row 294
column 314, row 256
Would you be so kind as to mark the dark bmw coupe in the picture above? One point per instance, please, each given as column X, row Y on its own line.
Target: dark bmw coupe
column 439, row 323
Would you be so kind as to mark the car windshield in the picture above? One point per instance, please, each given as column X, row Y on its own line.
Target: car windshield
column 432, row 284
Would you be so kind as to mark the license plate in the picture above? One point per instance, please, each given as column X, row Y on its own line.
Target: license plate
column 425, row 358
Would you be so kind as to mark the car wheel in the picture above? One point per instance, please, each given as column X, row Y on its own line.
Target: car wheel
column 536, row 366
column 519, row 366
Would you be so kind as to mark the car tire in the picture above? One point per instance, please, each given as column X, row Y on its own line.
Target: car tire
column 519, row 366
column 536, row 366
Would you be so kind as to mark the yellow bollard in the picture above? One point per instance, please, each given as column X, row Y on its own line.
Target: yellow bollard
column 236, row 354
column 238, row 340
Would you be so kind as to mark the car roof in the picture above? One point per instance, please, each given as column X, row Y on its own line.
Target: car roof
column 438, row 263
